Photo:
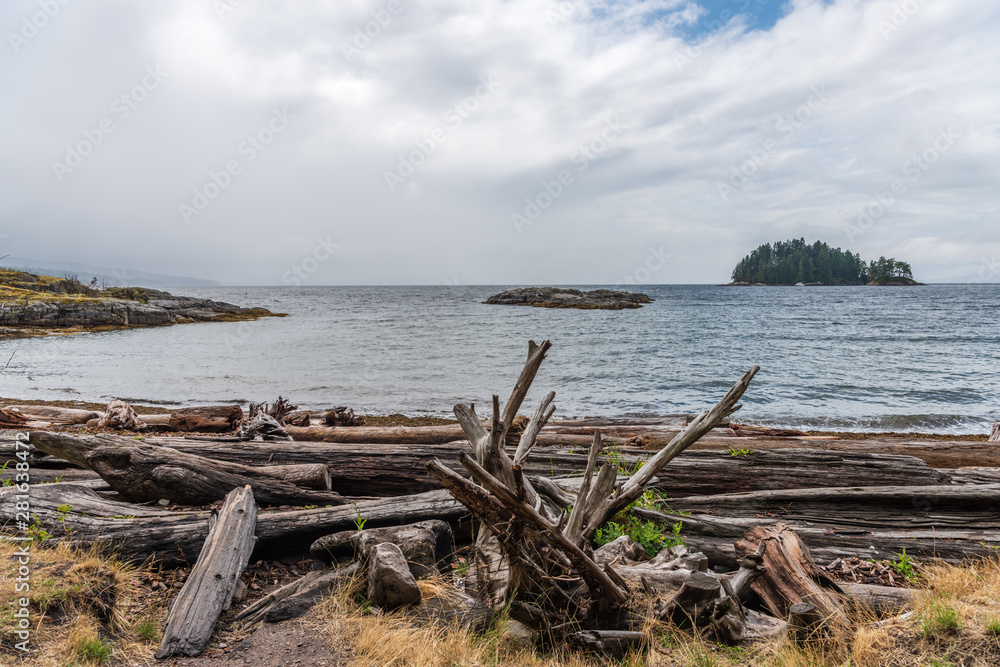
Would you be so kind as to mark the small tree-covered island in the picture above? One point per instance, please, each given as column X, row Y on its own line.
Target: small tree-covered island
column 796, row 262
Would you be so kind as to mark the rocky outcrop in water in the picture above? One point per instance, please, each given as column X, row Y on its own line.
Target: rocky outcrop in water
column 30, row 303
column 561, row 297
column 120, row 312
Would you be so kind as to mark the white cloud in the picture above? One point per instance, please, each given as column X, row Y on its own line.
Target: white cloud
column 692, row 113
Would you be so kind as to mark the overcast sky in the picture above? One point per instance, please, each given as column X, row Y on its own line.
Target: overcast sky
column 485, row 142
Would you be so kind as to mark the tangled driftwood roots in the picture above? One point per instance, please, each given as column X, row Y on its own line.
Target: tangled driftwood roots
column 536, row 557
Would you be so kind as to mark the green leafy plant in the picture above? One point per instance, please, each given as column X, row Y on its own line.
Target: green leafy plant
column 992, row 626
column 64, row 511
column 649, row 535
column 358, row 521
column 903, row 565
column 37, row 533
column 739, row 453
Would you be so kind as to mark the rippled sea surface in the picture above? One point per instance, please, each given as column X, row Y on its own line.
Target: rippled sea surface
column 848, row 358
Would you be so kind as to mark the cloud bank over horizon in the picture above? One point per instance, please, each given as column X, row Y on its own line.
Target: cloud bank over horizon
column 521, row 142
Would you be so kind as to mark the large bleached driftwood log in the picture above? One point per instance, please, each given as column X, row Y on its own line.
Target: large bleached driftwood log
column 534, row 558
column 947, row 522
column 77, row 515
column 209, row 588
column 142, row 473
column 54, row 414
column 381, row 470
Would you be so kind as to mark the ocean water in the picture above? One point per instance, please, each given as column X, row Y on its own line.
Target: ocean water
column 921, row 359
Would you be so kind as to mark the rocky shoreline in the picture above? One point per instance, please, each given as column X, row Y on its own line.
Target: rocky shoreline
column 33, row 305
column 559, row 297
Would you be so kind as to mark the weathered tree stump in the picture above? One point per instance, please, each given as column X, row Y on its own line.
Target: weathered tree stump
column 120, row 415
column 536, row 559
column 790, row 576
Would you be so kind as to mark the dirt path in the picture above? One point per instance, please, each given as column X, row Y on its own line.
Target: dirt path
column 291, row 643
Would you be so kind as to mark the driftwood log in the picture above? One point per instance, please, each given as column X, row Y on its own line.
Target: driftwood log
column 995, row 433
column 143, row 473
column 382, row 470
column 138, row 532
column 208, row 419
column 209, row 588
column 11, row 418
column 55, row 414
column 946, row 522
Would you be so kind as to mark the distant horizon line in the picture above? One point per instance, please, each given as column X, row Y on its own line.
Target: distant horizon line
column 624, row 288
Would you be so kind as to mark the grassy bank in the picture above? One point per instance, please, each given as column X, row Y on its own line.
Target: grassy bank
column 88, row 609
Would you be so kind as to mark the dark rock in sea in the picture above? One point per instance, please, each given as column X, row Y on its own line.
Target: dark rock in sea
column 561, row 297
column 34, row 304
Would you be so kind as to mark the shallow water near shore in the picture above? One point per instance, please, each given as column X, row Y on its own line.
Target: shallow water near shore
column 919, row 359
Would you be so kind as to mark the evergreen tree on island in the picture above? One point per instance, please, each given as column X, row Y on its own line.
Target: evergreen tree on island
column 795, row 261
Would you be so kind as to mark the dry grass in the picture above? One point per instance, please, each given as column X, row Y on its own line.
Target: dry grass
column 85, row 609
column 925, row 638
column 89, row 610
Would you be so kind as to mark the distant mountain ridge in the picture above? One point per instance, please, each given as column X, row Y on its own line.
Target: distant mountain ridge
column 122, row 277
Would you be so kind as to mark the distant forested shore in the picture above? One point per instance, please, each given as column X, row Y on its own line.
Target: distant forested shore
column 797, row 262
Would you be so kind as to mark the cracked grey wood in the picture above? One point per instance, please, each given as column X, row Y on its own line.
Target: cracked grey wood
column 208, row 590
column 141, row 473
column 138, row 532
